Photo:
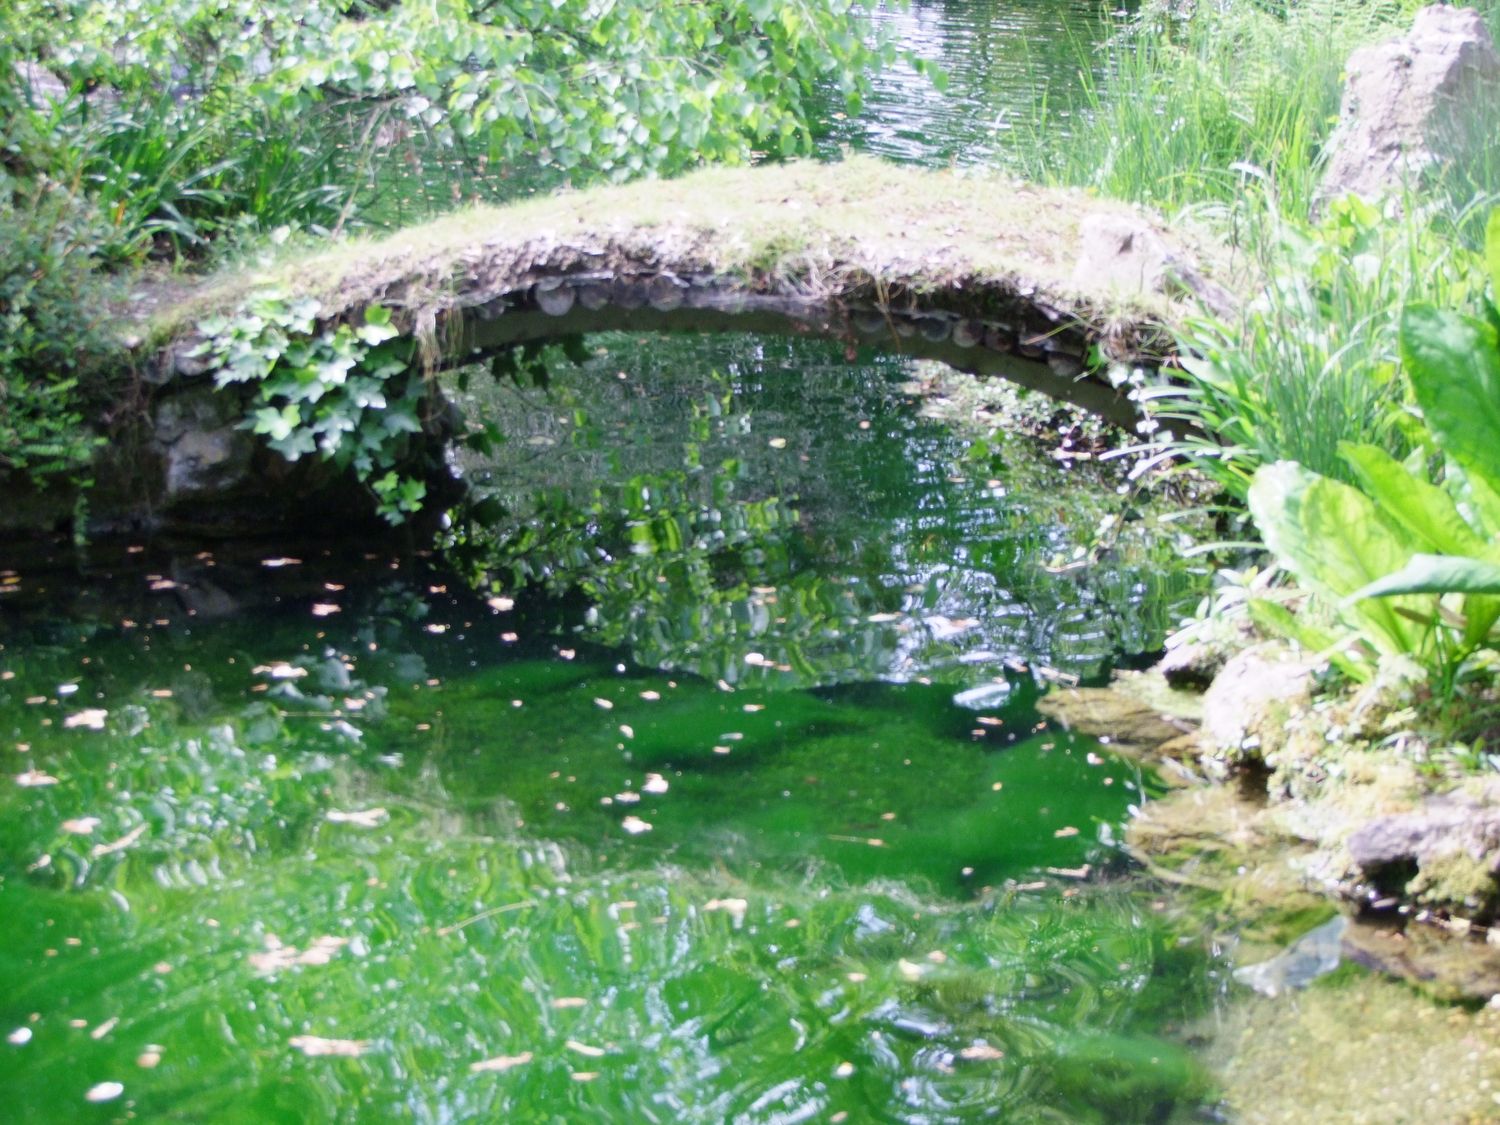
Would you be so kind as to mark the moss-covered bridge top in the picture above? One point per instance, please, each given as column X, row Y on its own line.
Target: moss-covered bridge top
column 990, row 275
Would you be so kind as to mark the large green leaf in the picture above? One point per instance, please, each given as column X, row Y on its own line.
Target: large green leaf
column 1453, row 363
column 1275, row 619
column 1421, row 508
column 1482, row 498
column 1492, row 251
column 1330, row 536
column 1435, row 574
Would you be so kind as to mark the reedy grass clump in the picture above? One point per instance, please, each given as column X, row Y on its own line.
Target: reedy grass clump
column 1187, row 96
column 1313, row 358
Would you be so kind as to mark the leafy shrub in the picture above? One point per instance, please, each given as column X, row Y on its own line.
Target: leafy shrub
column 1409, row 559
column 51, row 304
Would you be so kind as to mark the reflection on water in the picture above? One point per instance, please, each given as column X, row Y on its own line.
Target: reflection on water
column 1011, row 68
column 773, row 514
column 732, row 805
column 334, row 840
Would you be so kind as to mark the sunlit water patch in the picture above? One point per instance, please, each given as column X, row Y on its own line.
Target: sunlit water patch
column 977, row 79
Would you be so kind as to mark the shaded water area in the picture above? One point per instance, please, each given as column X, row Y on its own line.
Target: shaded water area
column 730, row 804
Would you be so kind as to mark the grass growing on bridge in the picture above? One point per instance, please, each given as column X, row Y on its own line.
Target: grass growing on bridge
column 804, row 225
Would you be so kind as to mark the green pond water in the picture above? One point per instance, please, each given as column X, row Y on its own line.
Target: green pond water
column 697, row 779
column 686, row 818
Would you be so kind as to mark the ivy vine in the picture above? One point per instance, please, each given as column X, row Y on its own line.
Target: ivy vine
column 350, row 394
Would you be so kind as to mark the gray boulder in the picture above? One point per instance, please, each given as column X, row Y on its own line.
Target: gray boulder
column 1412, row 105
column 1446, row 852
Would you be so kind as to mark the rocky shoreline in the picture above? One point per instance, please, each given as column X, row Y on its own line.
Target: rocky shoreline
column 1287, row 806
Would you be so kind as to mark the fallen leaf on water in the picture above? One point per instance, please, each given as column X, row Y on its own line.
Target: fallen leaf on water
column 585, row 1049
column 98, row 851
column 92, row 718
column 500, row 1062
column 33, row 778
column 280, row 670
column 1071, row 872
column 81, row 826
column 734, row 907
column 104, row 1092
column 868, row 841
column 635, row 825
column 981, row 1051
column 361, row 818
column 278, row 956
column 315, row 1046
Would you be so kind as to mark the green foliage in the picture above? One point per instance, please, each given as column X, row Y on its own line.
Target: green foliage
column 591, row 89
column 50, row 306
column 1312, row 360
column 1411, row 557
column 171, row 153
column 350, row 394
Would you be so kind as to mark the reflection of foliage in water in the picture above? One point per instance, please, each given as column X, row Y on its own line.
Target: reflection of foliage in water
column 713, row 499
column 446, row 933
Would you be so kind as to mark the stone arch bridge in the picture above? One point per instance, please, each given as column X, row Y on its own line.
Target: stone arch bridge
column 1050, row 289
